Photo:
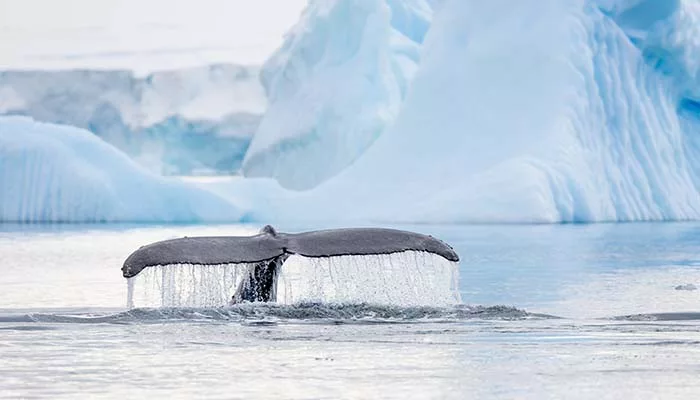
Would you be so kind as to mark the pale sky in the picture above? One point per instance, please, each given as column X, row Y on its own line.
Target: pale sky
column 142, row 35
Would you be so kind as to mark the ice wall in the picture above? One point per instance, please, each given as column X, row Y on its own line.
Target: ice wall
column 527, row 111
column 334, row 86
column 173, row 122
column 538, row 111
column 54, row 173
column 668, row 34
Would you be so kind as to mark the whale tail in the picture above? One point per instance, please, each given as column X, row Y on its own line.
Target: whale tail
column 268, row 250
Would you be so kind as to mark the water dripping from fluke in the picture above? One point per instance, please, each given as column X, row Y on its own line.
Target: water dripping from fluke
column 400, row 279
column 359, row 265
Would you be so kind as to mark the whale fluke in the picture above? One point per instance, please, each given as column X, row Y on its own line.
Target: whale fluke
column 269, row 249
column 203, row 251
column 365, row 241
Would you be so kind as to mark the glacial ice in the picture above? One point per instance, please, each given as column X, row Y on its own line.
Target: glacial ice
column 54, row 173
column 668, row 35
column 173, row 122
column 334, row 86
column 529, row 111
column 460, row 111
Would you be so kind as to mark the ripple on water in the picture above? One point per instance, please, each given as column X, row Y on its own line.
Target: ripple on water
column 266, row 313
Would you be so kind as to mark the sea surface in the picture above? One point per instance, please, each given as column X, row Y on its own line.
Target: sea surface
column 604, row 311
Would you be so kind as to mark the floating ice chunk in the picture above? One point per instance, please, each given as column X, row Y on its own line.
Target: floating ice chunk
column 687, row 286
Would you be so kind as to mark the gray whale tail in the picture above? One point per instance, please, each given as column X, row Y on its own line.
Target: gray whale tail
column 268, row 251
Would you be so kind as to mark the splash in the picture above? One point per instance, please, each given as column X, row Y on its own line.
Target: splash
column 401, row 279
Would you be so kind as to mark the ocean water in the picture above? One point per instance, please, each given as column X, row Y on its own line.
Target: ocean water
column 549, row 311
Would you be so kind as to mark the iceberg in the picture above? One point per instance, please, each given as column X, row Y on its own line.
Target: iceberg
column 54, row 173
column 668, row 35
column 175, row 122
column 531, row 111
column 334, row 86
column 452, row 111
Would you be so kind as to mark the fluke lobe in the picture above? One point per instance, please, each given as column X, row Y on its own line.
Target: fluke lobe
column 269, row 249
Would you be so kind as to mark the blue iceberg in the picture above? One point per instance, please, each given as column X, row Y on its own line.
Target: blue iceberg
column 334, row 86
column 191, row 121
column 527, row 111
column 54, row 173
column 426, row 111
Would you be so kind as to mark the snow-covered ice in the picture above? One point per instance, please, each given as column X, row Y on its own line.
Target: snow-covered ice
column 335, row 84
column 533, row 111
column 54, row 173
column 192, row 119
column 172, row 121
column 473, row 111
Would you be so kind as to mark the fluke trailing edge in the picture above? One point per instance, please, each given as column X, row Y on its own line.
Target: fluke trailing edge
column 268, row 250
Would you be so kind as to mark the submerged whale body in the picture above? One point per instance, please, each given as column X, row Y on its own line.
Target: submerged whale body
column 269, row 249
